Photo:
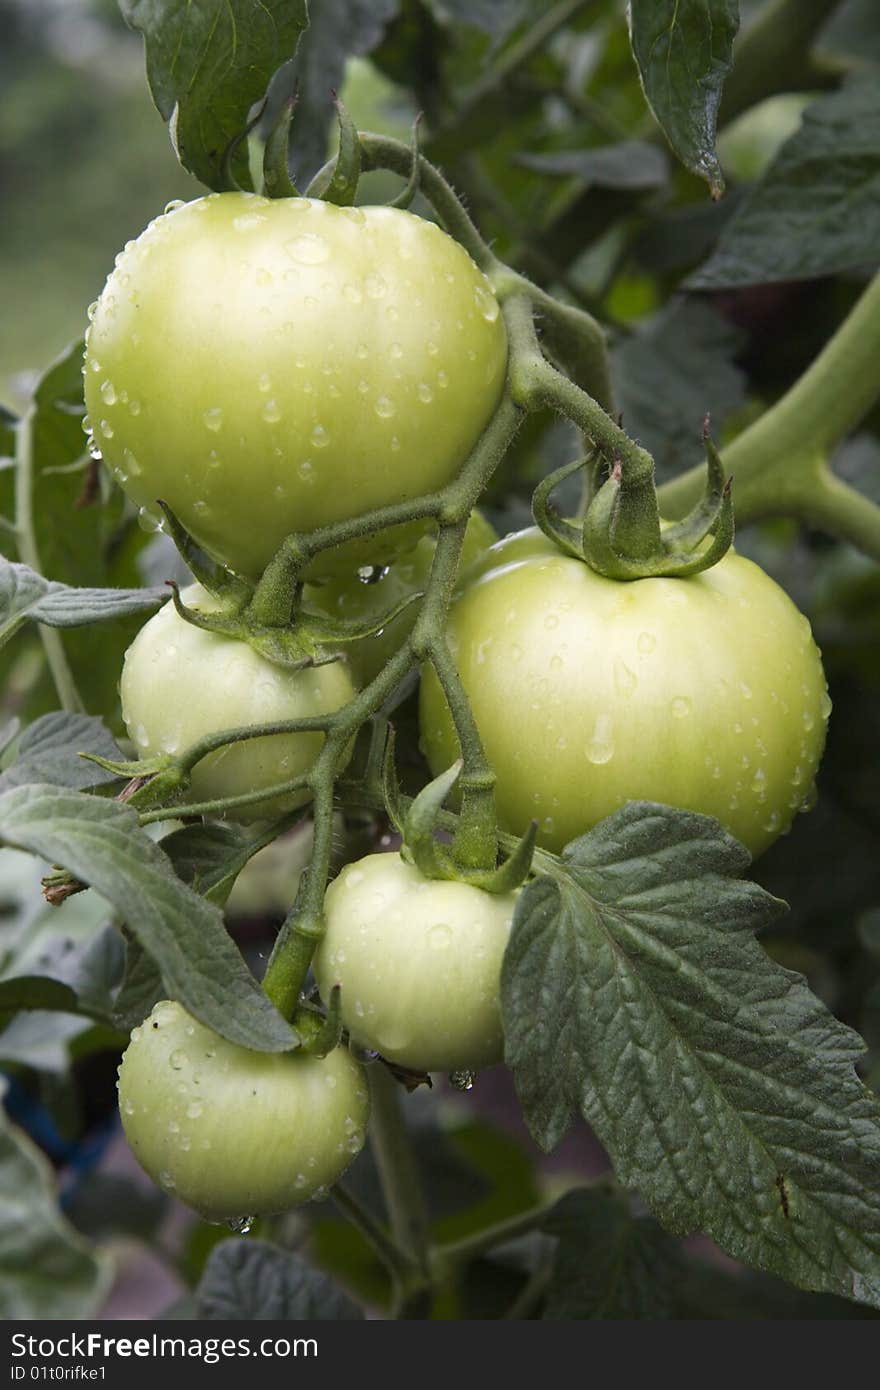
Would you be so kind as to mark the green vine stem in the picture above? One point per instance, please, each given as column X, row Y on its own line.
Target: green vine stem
column 399, row 1266
column 779, row 464
column 402, row 1190
column 53, row 646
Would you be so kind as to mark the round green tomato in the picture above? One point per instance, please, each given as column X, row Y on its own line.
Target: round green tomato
column 180, row 683
column 419, row 964
column 352, row 597
column 704, row 693
column 267, row 366
column 235, row 1133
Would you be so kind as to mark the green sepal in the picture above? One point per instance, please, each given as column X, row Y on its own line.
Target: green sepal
column 339, row 184
column 436, row 860
column 320, row 1034
column 555, row 527
column 212, row 576
column 229, row 181
column 390, row 784
column 277, row 182
column 405, row 198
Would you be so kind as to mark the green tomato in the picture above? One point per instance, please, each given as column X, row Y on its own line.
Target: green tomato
column 352, row 597
column 419, row 964
column 180, row 683
column 266, row 366
column 704, row 693
column 235, row 1133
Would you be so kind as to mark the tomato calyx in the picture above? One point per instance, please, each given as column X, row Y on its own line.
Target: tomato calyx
column 431, row 856
column 339, row 183
column 320, row 1033
column 622, row 535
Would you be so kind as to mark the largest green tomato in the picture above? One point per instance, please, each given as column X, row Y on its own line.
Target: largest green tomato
column 705, row 693
column 236, row 1133
column 180, row 683
column 268, row 366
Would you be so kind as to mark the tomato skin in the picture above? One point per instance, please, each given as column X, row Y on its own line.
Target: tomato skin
column 419, row 963
column 705, row 693
column 235, row 1133
column 348, row 597
column 180, row 682
column 267, row 366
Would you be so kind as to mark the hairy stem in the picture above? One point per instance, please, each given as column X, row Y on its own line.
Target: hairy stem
column 401, row 1187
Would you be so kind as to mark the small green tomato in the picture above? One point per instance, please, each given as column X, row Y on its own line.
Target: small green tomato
column 180, row 683
column 235, row 1133
column 419, row 964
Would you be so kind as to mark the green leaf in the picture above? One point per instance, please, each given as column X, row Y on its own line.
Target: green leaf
column 629, row 164
column 673, row 373
column 207, row 64
column 36, row 992
column 46, row 1269
column 209, row 857
column 50, row 749
column 816, row 211
column 141, row 988
column 338, row 30
column 683, row 49
column 257, row 1281
column 26, row 595
column 101, row 843
column 609, row 1264
column 634, row 992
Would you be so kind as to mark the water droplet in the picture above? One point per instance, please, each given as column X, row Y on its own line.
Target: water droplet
column 680, row 707
column 271, row 412
column 214, row 419
column 264, row 383
column 106, row 429
column 600, row 749
column 362, row 352
column 745, row 690
column 194, row 1110
column 92, row 311
column 810, row 799
column 352, row 293
column 551, row 621
column 462, row 1080
column 241, row 1225
column 263, row 277
column 431, row 348
column 384, row 407
column 486, row 303
column 825, row 705
column 108, row 393
column 247, row 221
column 178, row 1059
column 808, row 720
column 440, row 937
column 134, row 407
column 425, row 394
column 173, row 205
column 128, row 1108
column 166, row 1180
column 319, row 437
column 308, row 249
column 442, row 380
column 646, row 643
column 396, row 352
column 375, row 286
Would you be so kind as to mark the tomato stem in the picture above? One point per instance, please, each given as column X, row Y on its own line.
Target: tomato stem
column 401, row 1188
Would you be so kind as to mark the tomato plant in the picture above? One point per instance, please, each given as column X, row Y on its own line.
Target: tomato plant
column 458, row 878
column 418, row 963
column 180, row 684
column 268, row 366
column 237, row 1133
column 705, row 693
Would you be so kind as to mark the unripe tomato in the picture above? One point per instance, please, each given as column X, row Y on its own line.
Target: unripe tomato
column 419, row 964
column 235, row 1133
column 705, row 693
column 350, row 597
column 180, row 682
column 267, row 366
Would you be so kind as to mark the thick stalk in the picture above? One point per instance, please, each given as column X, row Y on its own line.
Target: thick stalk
column 773, row 462
column 402, row 1189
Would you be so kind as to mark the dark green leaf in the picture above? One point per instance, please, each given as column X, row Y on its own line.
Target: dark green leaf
column 671, row 375
column 816, row 211
column 683, row 49
column 141, row 988
column 609, row 1264
column 36, row 992
column 209, row 857
column 337, row 30
column 26, row 595
column 50, row 748
column 634, row 991
column 101, row 843
column 630, row 164
column 207, row 65
column 107, row 1204
column 46, row 1269
column 257, row 1281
